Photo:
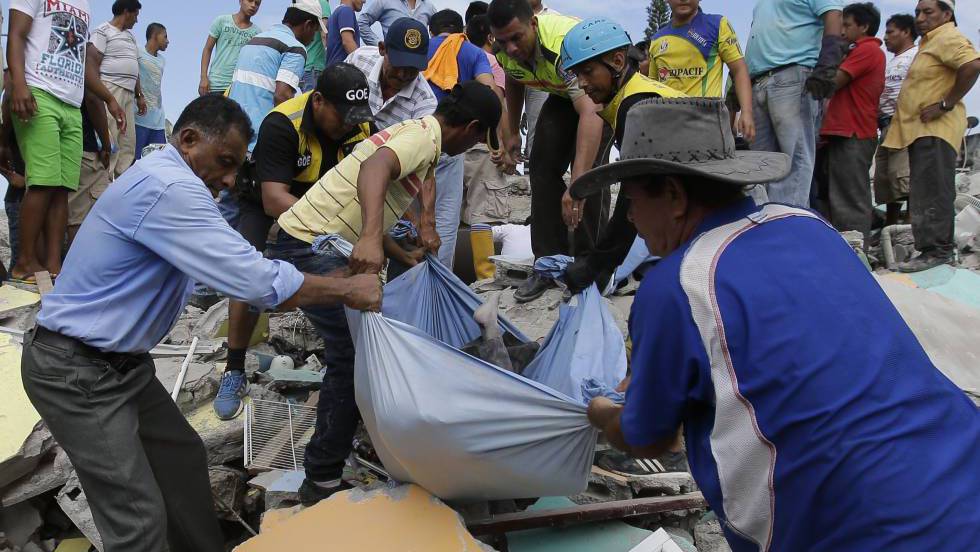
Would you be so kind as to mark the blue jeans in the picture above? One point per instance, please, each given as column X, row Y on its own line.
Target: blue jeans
column 308, row 82
column 336, row 412
column 146, row 136
column 787, row 120
column 449, row 203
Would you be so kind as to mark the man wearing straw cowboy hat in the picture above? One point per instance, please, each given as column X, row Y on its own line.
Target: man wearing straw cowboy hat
column 813, row 417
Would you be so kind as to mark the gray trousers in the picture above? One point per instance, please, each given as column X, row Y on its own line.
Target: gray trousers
column 847, row 171
column 533, row 102
column 143, row 468
column 932, row 191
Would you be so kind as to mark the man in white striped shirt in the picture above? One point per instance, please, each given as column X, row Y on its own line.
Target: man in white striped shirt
column 398, row 91
column 115, row 55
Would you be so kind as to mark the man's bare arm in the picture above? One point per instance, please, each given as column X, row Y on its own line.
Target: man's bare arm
column 514, row 92
column 377, row 173
column 589, row 137
column 204, row 86
column 94, row 85
column 361, row 292
column 606, row 416
column 284, row 92
column 347, row 39
column 276, row 198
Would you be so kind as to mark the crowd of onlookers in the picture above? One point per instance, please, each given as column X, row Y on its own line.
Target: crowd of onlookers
column 82, row 103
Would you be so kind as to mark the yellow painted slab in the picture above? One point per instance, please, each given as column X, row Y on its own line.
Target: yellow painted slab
column 17, row 415
column 14, row 298
column 404, row 519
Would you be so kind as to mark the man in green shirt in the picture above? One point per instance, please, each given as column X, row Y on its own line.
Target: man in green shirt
column 225, row 39
column 316, row 52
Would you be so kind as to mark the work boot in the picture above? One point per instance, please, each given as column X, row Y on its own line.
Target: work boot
column 228, row 402
column 925, row 261
column 532, row 288
column 311, row 492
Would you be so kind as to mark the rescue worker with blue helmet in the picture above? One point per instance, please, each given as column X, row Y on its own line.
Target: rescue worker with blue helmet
column 596, row 52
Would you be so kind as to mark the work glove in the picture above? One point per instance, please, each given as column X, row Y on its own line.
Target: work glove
column 820, row 84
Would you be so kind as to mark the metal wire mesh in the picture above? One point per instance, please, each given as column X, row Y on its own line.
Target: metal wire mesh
column 276, row 434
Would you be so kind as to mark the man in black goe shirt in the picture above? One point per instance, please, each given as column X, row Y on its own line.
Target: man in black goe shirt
column 299, row 141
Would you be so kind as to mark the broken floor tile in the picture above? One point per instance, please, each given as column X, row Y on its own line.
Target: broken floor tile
column 409, row 518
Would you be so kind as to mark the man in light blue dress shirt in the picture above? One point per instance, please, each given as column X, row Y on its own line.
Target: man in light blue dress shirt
column 387, row 12
column 125, row 282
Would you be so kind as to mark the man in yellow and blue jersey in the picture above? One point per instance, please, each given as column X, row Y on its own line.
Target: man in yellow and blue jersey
column 688, row 55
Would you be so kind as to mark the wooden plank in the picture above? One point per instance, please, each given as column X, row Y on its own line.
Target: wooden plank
column 587, row 513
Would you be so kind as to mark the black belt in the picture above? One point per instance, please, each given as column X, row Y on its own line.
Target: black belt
column 772, row 72
column 120, row 362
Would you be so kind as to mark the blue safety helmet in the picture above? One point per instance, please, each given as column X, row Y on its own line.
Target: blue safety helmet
column 591, row 39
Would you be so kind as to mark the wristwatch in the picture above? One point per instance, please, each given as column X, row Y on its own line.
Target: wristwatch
column 945, row 106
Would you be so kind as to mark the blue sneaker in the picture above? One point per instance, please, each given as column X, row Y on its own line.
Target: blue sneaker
column 228, row 403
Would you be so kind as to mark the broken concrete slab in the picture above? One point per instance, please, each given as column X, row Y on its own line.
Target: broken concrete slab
column 15, row 303
column 605, row 485
column 74, row 504
column 23, row 438
column 296, row 331
column 209, row 322
column 52, row 472
column 228, row 487
column 708, row 536
column 223, row 440
column 284, row 490
column 19, row 523
column 167, row 369
column 412, row 519
column 282, row 380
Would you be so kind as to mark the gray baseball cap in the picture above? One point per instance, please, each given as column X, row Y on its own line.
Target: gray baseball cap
column 683, row 136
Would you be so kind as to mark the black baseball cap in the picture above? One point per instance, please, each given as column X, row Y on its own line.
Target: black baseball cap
column 346, row 87
column 407, row 43
column 480, row 102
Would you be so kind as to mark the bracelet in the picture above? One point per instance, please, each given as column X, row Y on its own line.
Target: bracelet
column 945, row 106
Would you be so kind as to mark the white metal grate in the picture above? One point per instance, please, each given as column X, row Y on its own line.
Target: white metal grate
column 276, row 434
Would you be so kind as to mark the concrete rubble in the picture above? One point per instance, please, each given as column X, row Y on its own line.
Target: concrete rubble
column 40, row 495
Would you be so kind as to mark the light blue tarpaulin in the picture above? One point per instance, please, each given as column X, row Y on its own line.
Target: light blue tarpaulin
column 585, row 349
column 432, row 299
column 465, row 429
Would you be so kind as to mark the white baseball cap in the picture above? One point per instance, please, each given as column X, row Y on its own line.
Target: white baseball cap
column 950, row 3
column 312, row 7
